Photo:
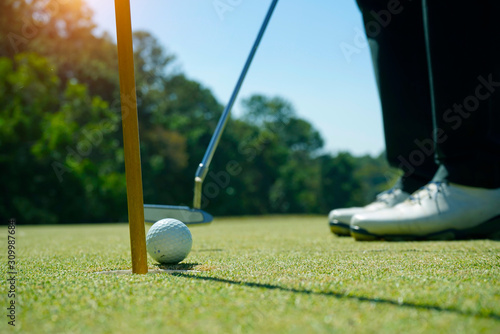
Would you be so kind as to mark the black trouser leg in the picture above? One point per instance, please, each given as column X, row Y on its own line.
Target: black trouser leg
column 463, row 41
column 397, row 43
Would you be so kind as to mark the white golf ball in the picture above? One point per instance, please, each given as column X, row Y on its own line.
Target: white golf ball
column 169, row 241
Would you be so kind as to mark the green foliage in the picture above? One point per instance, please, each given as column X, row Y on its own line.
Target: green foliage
column 63, row 32
column 262, row 111
column 339, row 186
column 375, row 175
column 61, row 140
column 57, row 148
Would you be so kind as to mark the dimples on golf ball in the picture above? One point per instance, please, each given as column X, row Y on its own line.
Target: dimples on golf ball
column 169, row 241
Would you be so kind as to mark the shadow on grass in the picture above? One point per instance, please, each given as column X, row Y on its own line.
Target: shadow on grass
column 179, row 266
column 343, row 296
column 208, row 250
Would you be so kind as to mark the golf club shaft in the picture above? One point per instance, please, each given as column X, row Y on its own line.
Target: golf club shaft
column 202, row 170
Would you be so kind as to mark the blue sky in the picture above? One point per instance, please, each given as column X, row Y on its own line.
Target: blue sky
column 300, row 58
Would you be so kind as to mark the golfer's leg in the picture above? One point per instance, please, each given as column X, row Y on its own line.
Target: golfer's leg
column 464, row 47
column 396, row 37
column 465, row 79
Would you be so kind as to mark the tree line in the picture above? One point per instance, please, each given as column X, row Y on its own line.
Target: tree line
column 61, row 145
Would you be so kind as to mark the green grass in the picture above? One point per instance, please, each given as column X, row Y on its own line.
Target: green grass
column 259, row 274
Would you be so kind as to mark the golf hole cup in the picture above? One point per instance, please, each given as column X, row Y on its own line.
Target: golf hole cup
column 169, row 241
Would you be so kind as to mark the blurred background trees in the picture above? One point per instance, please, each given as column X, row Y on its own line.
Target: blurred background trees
column 61, row 156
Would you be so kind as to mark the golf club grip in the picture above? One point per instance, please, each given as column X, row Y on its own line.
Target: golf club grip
column 202, row 170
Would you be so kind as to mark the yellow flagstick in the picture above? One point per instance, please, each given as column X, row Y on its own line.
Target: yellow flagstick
column 130, row 126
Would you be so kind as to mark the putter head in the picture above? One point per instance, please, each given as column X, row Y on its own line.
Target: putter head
column 153, row 213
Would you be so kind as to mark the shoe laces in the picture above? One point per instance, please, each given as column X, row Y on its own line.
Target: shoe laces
column 386, row 196
column 431, row 189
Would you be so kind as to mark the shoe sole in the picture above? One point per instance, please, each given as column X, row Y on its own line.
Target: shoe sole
column 340, row 229
column 487, row 230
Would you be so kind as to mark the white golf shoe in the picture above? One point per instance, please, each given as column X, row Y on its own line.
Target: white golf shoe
column 438, row 211
column 340, row 219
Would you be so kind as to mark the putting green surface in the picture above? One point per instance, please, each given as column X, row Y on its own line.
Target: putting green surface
column 256, row 275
